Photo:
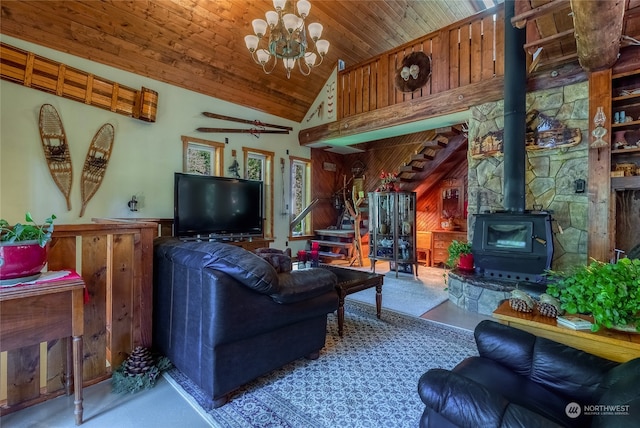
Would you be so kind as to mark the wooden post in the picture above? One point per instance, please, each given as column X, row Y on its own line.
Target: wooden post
column 600, row 240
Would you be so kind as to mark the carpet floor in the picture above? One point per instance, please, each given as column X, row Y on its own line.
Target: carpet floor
column 368, row 378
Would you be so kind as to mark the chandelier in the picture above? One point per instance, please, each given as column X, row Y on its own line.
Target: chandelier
column 287, row 39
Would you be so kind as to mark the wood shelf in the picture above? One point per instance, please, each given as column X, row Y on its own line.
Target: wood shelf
column 611, row 344
column 626, row 97
column 625, row 151
column 622, row 125
column 625, row 183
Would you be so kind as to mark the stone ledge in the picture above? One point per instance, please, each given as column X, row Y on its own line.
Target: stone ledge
column 478, row 294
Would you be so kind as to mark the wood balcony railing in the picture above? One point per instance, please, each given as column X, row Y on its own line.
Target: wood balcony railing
column 469, row 51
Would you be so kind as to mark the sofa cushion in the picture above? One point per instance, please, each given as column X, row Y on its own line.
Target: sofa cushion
column 244, row 266
column 280, row 261
column 623, row 394
column 304, row 284
column 518, row 389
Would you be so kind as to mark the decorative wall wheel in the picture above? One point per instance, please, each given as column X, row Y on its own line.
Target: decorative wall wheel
column 414, row 73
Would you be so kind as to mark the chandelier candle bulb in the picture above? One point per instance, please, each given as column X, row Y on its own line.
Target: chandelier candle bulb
column 285, row 36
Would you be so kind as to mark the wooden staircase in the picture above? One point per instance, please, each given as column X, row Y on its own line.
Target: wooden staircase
column 433, row 159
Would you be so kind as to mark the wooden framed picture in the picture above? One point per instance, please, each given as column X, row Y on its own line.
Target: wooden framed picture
column 202, row 157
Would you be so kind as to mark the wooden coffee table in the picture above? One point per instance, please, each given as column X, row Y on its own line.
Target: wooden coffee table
column 351, row 281
column 610, row 344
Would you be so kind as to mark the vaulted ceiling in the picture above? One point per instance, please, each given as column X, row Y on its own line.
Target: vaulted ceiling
column 199, row 44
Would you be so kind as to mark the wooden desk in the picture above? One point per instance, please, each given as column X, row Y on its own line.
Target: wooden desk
column 610, row 344
column 440, row 241
column 37, row 313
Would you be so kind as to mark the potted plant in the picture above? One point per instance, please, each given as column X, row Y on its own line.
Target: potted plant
column 23, row 248
column 609, row 292
column 460, row 255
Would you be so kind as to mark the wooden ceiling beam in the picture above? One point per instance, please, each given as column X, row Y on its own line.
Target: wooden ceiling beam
column 598, row 28
column 543, row 42
column 520, row 20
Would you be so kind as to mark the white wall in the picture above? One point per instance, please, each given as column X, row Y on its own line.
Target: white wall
column 144, row 156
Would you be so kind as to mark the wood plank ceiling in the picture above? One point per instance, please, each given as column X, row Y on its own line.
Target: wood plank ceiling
column 199, row 44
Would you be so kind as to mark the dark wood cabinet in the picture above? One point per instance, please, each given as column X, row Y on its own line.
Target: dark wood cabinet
column 392, row 229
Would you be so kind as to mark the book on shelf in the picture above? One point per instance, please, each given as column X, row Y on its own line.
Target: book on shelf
column 574, row 322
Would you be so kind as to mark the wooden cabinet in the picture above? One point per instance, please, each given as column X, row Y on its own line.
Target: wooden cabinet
column 625, row 129
column 392, row 231
column 440, row 240
column 253, row 244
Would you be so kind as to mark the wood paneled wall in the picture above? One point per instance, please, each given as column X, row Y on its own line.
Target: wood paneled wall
column 115, row 260
column 377, row 157
column 325, row 183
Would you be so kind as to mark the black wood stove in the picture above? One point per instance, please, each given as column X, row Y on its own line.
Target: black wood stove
column 514, row 244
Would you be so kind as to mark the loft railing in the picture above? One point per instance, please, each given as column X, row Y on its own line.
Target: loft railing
column 465, row 52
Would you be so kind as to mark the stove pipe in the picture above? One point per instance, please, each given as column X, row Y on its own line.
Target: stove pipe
column 515, row 81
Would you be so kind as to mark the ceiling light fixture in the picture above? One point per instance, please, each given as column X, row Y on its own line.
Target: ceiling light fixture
column 287, row 39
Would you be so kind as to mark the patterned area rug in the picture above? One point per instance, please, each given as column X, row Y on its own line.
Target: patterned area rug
column 368, row 378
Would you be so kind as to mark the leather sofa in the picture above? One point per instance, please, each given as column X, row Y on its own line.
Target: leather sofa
column 521, row 380
column 224, row 316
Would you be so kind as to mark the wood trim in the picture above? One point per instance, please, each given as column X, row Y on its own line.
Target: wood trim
column 268, row 183
column 218, row 148
column 435, row 105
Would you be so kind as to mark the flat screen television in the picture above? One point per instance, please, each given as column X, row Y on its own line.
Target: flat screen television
column 216, row 206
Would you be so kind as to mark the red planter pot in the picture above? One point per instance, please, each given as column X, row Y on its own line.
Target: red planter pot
column 21, row 259
column 465, row 262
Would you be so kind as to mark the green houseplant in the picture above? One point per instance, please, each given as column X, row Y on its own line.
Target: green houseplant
column 609, row 292
column 23, row 249
column 459, row 251
column 27, row 232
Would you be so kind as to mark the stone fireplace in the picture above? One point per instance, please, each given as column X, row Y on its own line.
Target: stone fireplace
column 527, row 212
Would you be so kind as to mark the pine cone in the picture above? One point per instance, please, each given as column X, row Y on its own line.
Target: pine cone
column 548, row 310
column 521, row 301
column 519, row 305
column 140, row 361
column 548, row 306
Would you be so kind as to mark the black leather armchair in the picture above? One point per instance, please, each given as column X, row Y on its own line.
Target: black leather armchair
column 223, row 316
column 521, row 380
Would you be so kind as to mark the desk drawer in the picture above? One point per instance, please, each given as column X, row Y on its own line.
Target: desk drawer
column 440, row 256
column 441, row 243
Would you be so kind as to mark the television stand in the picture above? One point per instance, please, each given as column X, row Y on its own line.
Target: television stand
column 248, row 243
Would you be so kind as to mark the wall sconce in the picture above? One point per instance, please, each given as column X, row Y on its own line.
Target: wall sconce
column 133, row 204
column 599, row 131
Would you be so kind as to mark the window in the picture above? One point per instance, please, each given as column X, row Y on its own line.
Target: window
column 202, row 157
column 300, row 195
column 258, row 165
